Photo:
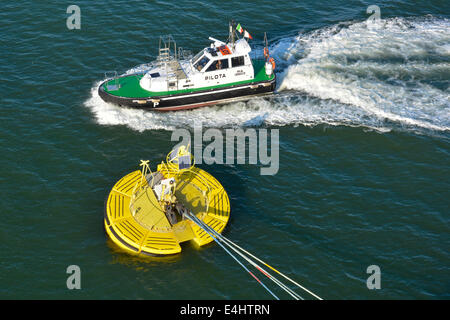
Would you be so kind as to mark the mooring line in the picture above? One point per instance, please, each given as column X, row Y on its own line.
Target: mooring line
column 237, row 260
column 272, row 268
column 230, row 244
column 259, row 268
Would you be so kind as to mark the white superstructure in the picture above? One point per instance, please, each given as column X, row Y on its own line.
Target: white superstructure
column 218, row 64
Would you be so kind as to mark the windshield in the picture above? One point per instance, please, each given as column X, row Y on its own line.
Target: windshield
column 201, row 63
column 198, row 55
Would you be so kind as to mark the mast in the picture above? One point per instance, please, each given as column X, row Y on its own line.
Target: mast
column 266, row 47
column 231, row 36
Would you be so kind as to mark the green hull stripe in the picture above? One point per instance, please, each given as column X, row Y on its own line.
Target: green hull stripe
column 130, row 88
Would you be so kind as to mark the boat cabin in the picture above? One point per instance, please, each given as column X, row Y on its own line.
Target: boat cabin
column 218, row 64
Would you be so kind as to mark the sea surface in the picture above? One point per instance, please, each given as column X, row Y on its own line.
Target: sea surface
column 363, row 113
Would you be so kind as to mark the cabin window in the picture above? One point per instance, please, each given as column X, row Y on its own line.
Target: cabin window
column 218, row 65
column 197, row 56
column 237, row 61
column 201, row 63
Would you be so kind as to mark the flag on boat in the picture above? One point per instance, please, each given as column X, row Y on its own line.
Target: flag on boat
column 239, row 28
column 247, row 35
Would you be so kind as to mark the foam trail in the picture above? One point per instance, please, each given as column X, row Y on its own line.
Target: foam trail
column 383, row 70
column 392, row 75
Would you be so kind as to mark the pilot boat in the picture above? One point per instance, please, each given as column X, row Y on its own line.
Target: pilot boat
column 222, row 73
column 151, row 213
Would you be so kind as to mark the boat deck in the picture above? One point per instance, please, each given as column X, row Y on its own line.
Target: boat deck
column 178, row 71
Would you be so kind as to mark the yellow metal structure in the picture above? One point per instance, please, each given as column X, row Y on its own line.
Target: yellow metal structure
column 142, row 221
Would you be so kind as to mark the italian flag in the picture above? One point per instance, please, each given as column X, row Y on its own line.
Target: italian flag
column 247, row 35
column 239, row 28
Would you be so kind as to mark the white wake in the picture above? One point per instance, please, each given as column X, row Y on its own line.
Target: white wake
column 394, row 74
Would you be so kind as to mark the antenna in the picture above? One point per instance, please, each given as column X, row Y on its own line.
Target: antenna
column 231, row 24
column 220, row 43
column 266, row 48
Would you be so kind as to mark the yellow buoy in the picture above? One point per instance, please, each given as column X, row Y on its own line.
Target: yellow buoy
column 145, row 212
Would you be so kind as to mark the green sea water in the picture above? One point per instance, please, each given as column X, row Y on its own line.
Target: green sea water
column 363, row 115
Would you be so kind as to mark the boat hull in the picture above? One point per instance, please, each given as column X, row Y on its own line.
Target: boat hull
column 193, row 100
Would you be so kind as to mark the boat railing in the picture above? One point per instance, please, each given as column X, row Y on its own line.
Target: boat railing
column 257, row 53
column 143, row 68
column 168, row 59
column 165, row 56
column 184, row 54
column 167, row 48
column 112, row 85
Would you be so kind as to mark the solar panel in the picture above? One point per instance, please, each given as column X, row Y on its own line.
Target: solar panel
column 184, row 162
column 173, row 154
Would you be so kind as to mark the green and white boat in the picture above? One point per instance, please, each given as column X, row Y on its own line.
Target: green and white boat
column 218, row 74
